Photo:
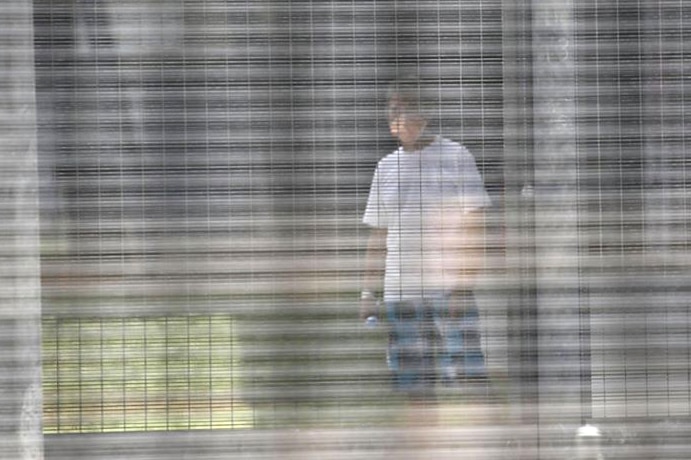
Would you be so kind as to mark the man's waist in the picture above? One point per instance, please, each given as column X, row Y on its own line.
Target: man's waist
column 427, row 294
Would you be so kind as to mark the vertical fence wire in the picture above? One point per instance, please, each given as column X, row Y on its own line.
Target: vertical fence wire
column 206, row 165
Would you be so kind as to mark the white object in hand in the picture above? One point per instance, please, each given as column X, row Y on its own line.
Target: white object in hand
column 371, row 321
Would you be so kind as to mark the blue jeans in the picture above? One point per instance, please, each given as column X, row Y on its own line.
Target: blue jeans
column 434, row 339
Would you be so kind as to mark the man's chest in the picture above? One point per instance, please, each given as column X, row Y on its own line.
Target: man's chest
column 411, row 187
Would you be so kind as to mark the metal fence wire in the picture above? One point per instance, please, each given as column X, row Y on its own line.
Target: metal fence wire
column 204, row 167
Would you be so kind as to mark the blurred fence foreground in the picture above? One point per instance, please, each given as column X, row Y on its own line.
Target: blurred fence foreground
column 200, row 169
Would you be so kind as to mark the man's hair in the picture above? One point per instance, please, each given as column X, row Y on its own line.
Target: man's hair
column 412, row 96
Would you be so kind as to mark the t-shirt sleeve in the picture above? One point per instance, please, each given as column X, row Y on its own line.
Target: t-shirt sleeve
column 472, row 189
column 375, row 215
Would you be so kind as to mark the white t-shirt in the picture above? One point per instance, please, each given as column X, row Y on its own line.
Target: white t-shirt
column 419, row 197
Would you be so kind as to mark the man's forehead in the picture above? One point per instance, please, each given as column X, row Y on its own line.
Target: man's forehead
column 400, row 106
column 400, row 99
column 399, row 112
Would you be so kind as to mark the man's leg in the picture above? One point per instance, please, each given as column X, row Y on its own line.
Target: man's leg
column 458, row 324
column 473, row 358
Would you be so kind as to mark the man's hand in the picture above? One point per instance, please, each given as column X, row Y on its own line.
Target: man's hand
column 374, row 272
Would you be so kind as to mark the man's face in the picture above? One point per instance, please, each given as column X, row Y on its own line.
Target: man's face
column 405, row 124
column 406, row 128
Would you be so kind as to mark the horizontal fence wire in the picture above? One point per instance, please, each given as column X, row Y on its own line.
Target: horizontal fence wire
column 634, row 161
column 204, row 170
column 209, row 162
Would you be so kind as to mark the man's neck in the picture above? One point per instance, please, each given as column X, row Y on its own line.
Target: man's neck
column 419, row 145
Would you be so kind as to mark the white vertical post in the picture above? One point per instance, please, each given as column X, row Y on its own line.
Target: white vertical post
column 20, row 307
column 556, row 221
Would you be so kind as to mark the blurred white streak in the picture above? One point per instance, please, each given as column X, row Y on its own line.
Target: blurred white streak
column 20, row 294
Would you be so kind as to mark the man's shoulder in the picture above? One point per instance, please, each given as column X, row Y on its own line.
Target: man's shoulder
column 390, row 160
column 454, row 151
column 453, row 147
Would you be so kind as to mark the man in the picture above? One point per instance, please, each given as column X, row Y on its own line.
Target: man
column 425, row 210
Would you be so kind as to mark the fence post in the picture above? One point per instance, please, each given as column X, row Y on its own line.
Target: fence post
column 20, row 308
column 559, row 321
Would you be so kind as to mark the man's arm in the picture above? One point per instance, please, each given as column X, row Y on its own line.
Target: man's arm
column 462, row 243
column 375, row 261
column 471, row 247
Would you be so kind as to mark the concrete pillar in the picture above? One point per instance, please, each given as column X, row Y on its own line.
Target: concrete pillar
column 559, row 320
column 20, row 308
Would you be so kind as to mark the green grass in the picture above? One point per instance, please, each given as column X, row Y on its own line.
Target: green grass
column 185, row 373
column 142, row 374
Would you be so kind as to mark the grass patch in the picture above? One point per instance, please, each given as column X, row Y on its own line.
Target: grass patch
column 142, row 374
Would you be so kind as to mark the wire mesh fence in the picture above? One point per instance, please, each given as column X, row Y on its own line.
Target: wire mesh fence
column 204, row 167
